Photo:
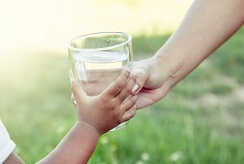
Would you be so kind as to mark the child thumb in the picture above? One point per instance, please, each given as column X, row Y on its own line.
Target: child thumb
column 76, row 88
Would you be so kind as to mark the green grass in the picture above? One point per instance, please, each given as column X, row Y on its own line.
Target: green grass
column 184, row 127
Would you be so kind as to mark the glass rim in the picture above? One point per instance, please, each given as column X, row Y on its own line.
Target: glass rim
column 129, row 38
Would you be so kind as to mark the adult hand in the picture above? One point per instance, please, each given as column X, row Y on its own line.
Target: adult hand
column 150, row 78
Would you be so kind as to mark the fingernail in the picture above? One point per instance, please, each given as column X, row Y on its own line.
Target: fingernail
column 135, row 88
column 75, row 102
column 71, row 79
column 71, row 73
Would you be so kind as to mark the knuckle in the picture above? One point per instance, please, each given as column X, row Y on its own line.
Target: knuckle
column 126, row 73
column 109, row 104
column 105, row 101
column 73, row 85
column 141, row 75
column 133, row 77
column 119, row 85
column 133, row 99
column 130, row 102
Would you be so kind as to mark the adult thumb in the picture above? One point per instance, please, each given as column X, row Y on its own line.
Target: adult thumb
column 141, row 77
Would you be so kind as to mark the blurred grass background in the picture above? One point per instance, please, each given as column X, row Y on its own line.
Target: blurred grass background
column 199, row 121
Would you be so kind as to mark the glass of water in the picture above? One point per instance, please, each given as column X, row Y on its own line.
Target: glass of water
column 99, row 58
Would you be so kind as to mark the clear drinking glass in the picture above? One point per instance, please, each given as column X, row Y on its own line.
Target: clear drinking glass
column 99, row 58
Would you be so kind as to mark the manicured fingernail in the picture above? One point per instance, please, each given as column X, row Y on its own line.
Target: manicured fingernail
column 135, row 88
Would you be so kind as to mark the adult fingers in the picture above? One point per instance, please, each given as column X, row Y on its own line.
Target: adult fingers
column 141, row 77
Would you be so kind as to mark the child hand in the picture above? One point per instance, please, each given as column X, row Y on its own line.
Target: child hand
column 107, row 110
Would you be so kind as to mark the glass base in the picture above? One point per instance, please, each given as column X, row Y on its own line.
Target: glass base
column 120, row 126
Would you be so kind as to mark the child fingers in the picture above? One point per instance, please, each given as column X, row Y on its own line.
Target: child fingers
column 128, row 114
column 126, row 91
column 128, row 103
column 118, row 85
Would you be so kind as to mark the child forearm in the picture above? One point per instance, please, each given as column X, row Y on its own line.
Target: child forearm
column 13, row 159
column 76, row 147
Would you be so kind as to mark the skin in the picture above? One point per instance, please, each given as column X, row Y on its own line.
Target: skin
column 96, row 116
column 206, row 26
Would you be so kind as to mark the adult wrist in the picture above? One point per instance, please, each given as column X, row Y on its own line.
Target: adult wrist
column 170, row 65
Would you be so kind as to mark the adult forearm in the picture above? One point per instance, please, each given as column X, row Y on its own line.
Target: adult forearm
column 77, row 146
column 206, row 26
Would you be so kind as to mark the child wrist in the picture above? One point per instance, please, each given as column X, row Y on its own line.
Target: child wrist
column 88, row 127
